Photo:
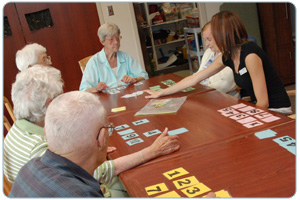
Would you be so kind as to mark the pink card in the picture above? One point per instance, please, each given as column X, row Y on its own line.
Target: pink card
column 245, row 109
column 255, row 111
column 270, row 119
column 263, row 115
column 253, row 124
column 237, row 106
column 239, row 116
column 227, row 114
column 246, row 120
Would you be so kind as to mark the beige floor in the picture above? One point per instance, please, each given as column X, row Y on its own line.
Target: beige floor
column 289, row 89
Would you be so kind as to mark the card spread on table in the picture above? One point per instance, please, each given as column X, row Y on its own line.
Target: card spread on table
column 255, row 111
column 171, row 194
column 158, row 188
column 135, row 94
column 263, row 115
column 177, row 131
column 239, row 116
column 129, row 136
column 225, row 110
column 139, row 83
column 240, row 105
column 188, row 89
column 155, row 88
column 117, row 128
column 126, row 132
column 253, row 124
column 118, row 109
column 247, row 108
column 230, row 113
column 222, row 194
column 287, row 142
column 139, row 122
column 186, row 182
column 265, row 134
column 153, row 132
column 175, row 173
column 196, row 190
column 134, row 141
column 270, row 118
column 246, row 120
column 169, row 82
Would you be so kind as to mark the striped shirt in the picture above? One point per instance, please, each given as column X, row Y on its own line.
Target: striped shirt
column 26, row 140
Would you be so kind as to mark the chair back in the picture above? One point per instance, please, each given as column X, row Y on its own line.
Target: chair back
column 6, row 123
column 6, row 185
column 9, row 108
column 83, row 62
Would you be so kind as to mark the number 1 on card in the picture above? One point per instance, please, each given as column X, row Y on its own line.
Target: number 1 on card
column 175, row 173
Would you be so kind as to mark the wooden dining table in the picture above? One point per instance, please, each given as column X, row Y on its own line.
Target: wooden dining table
column 111, row 101
column 245, row 167
column 218, row 146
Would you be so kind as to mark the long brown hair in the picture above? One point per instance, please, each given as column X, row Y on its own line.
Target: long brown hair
column 229, row 32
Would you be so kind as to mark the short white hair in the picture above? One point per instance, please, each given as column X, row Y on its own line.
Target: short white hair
column 31, row 90
column 107, row 29
column 29, row 55
column 70, row 119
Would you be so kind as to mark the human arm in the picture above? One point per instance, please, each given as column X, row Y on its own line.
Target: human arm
column 100, row 86
column 129, row 79
column 189, row 81
column 163, row 145
column 255, row 67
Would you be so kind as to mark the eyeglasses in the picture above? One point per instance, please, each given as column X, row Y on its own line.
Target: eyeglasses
column 118, row 38
column 47, row 59
column 110, row 128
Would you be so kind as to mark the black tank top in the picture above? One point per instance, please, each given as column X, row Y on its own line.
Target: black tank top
column 278, row 97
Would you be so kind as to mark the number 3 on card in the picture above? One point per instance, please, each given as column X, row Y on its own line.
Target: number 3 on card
column 154, row 189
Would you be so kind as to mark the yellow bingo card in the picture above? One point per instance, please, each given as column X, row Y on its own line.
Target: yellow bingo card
column 175, row 173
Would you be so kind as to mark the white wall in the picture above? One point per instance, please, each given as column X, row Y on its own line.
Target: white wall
column 124, row 17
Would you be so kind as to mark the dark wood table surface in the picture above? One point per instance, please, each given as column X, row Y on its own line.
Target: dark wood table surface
column 244, row 166
column 199, row 115
column 114, row 100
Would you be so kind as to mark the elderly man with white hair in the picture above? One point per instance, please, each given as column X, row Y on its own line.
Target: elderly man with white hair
column 30, row 55
column 77, row 132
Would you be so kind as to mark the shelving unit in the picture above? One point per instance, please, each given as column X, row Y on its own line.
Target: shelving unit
column 191, row 53
column 154, row 47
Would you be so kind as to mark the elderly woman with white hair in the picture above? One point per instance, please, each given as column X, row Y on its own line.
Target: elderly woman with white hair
column 33, row 89
column 32, row 54
column 110, row 67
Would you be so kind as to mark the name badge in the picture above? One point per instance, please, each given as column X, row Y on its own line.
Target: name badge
column 243, row 71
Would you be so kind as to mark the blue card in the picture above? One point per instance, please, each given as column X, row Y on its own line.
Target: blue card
column 139, row 122
column 117, row 128
column 129, row 136
column 153, row 132
column 126, row 132
column 177, row 131
column 265, row 134
column 287, row 142
column 134, row 141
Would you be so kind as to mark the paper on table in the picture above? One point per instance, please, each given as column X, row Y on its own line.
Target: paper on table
column 162, row 106
column 135, row 94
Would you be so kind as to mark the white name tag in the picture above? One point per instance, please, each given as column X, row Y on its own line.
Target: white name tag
column 243, row 71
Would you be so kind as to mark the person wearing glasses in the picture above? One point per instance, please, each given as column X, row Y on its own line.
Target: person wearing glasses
column 110, row 67
column 75, row 150
column 32, row 91
column 32, row 54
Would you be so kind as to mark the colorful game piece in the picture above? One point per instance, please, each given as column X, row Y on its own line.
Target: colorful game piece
column 139, row 122
column 153, row 132
column 175, row 173
column 171, row 194
column 117, row 128
column 265, row 134
column 177, row 131
column 125, row 132
column 134, row 141
column 158, row 188
column 118, row 109
column 186, row 182
column 196, row 190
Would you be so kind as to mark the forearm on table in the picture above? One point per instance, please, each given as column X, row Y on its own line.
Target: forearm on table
column 132, row 160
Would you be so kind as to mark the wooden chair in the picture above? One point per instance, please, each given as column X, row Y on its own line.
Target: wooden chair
column 83, row 62
column 9, row 108
column 6, row 184
column 6, row 123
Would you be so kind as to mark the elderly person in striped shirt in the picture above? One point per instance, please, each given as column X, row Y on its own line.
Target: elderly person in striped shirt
column 67, row 167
